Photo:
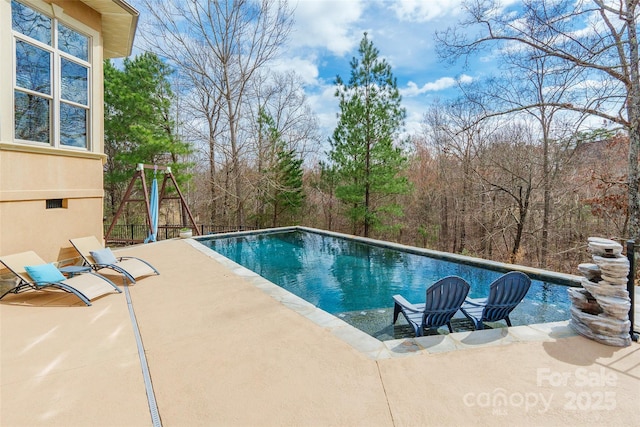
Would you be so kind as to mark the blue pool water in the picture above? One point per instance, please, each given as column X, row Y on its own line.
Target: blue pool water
column 345, row 276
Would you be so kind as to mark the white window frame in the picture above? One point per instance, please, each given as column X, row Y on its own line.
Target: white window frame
column 56, row 80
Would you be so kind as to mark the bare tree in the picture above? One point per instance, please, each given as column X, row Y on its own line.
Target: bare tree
column 598, row 37
column 454, row 130
column 280, row 106
column 281, row 95
column 221, row 46
column 203, row 106
column 507, row 171
column 534, row 85
column 422, row 225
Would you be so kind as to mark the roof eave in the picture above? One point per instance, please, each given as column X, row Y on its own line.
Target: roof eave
column 119, row 24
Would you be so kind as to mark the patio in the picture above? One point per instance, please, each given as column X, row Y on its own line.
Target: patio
column 222, row 351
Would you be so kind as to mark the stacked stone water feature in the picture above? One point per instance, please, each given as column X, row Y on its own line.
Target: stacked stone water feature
column 600, row 309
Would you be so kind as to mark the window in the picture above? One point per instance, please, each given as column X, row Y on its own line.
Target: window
column 51, row 91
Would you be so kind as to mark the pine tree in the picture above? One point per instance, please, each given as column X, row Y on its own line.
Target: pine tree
column 288, row 195
column 368, row 161
column 281, row 193
column 137, row 122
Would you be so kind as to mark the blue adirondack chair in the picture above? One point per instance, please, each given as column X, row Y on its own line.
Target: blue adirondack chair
column 444, row 299
column 505, row 293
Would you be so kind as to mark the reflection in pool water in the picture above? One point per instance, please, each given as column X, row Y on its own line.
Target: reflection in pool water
column 350, row 279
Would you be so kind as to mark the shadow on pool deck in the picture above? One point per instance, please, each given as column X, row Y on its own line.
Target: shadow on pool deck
column 223, row 352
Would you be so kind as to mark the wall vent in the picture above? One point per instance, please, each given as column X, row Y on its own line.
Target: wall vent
column 56, row 204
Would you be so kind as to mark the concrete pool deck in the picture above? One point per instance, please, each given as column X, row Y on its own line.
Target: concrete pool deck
column 222, row 351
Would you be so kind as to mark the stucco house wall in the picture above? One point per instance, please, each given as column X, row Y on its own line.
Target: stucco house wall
column 32, row 173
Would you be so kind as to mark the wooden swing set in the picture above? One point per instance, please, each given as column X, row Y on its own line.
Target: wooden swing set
column 130, row 197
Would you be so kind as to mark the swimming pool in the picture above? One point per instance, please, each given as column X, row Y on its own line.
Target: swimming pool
column 355, row 280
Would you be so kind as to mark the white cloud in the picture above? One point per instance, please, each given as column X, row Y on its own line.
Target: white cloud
column 327, row 24
column 432, row 10
column 423, row 11
column 442, row 83
column 325, row 105
column 464, row 79
column 306, row 68
column 413, row 122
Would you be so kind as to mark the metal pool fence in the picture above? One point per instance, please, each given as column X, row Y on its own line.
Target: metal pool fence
column 136, row 233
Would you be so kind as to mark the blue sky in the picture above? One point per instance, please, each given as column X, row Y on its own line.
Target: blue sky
column 326, row 35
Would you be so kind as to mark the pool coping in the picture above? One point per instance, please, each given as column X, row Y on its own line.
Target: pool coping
column 374, row 348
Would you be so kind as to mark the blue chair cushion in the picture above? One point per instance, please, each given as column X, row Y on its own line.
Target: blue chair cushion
column 104, row 257
column 44, row 273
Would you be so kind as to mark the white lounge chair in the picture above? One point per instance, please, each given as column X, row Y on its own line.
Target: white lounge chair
column 34, row 273
column 98, row 257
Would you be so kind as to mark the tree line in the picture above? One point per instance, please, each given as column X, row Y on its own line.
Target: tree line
column 507, row 171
